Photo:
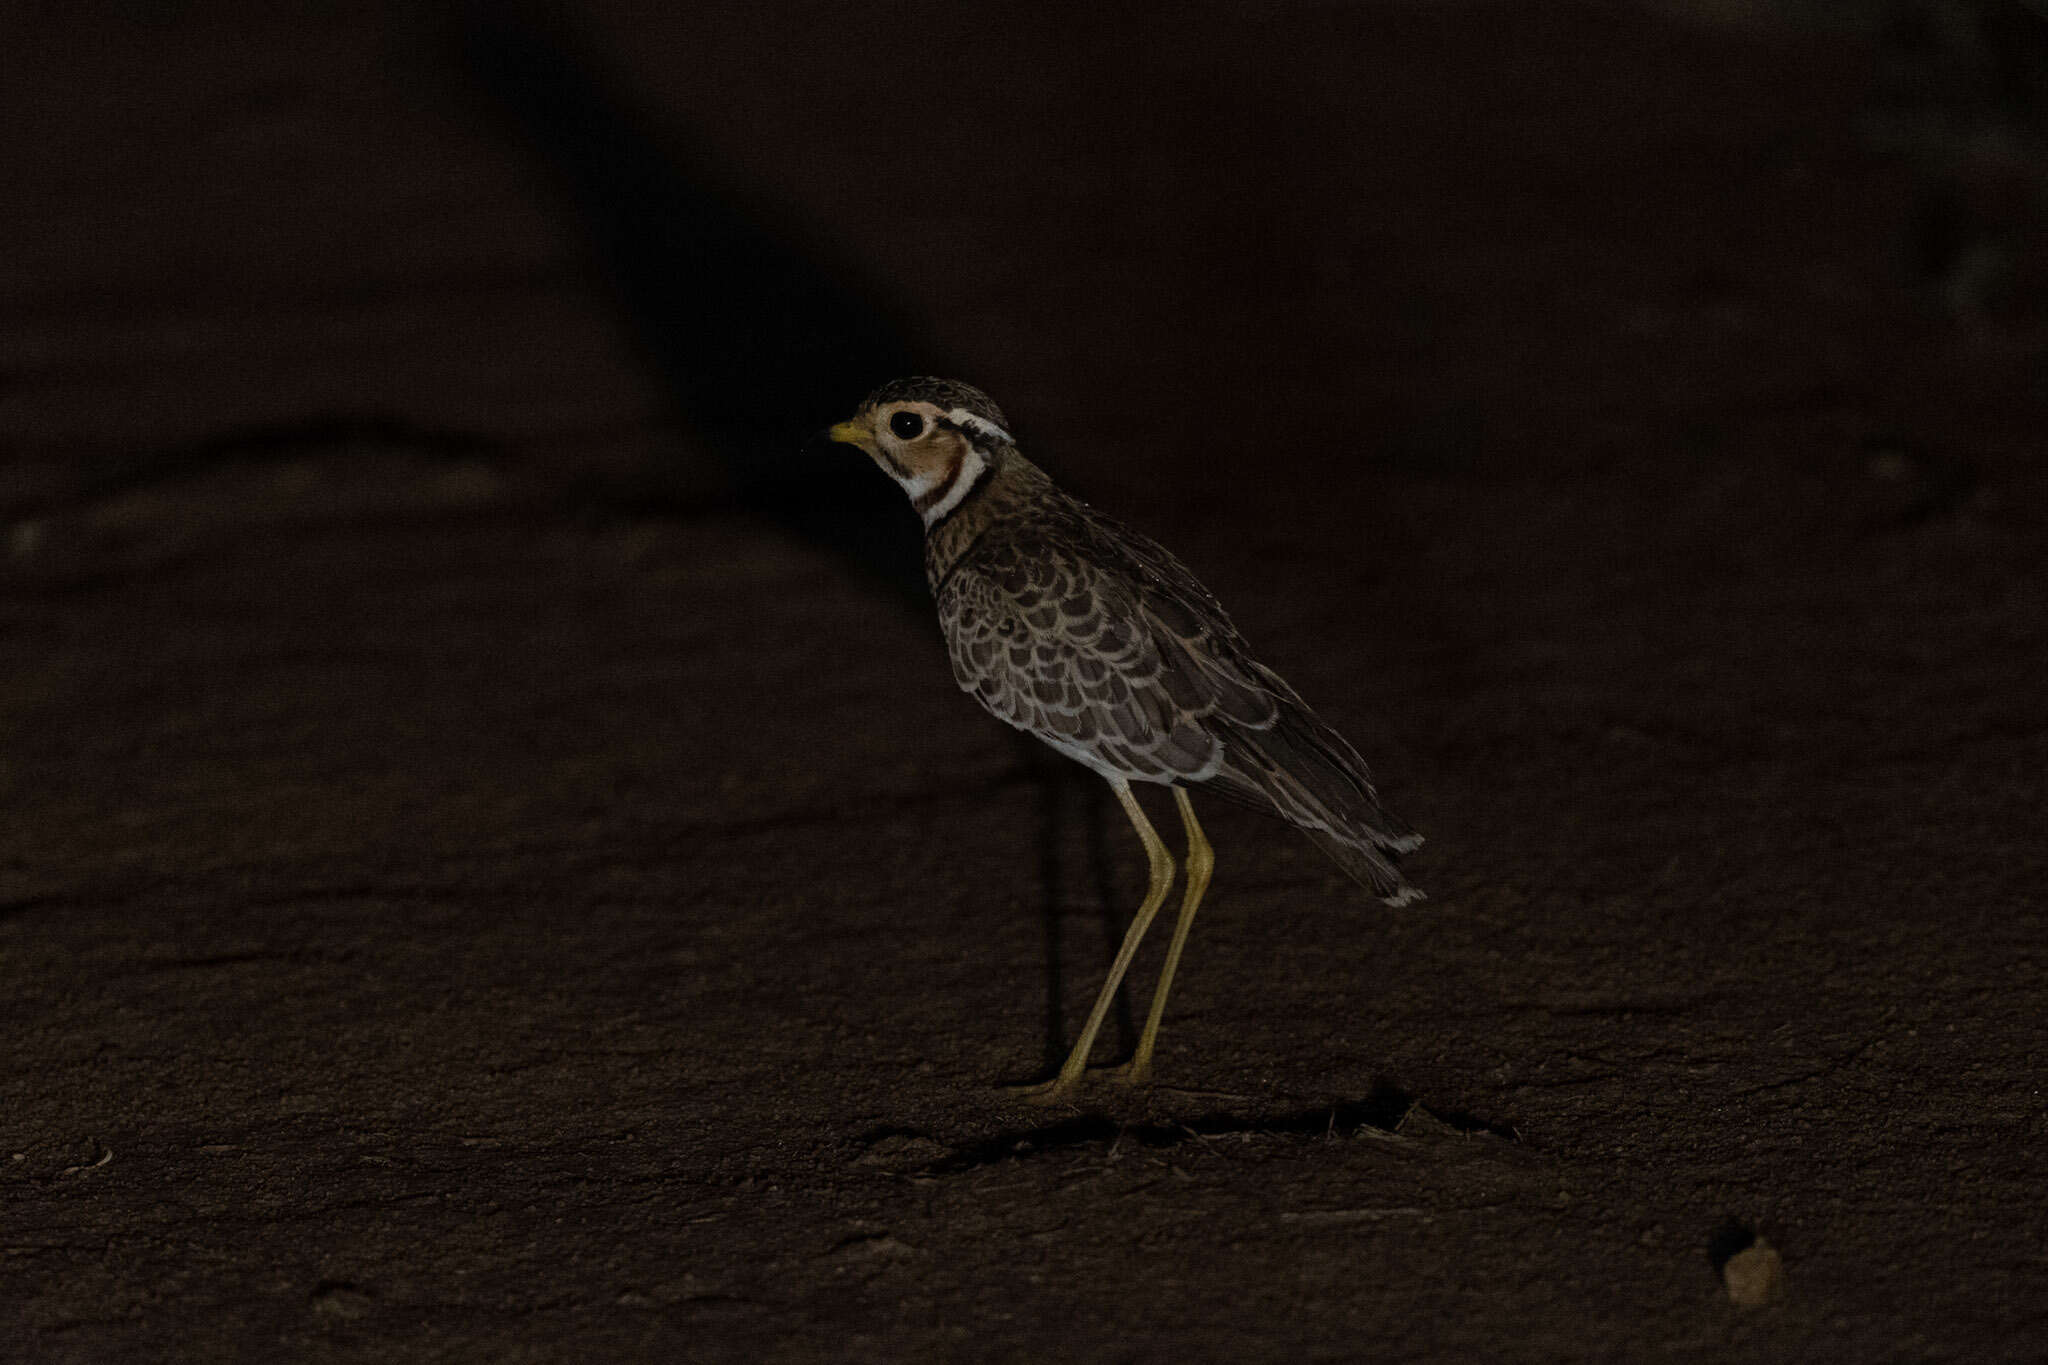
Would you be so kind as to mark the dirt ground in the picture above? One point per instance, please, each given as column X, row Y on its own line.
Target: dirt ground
column 494, row 866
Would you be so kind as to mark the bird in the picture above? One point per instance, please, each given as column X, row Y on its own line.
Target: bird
column 1066, row 624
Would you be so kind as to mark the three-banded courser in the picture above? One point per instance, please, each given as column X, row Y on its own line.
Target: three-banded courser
column 1064, row 623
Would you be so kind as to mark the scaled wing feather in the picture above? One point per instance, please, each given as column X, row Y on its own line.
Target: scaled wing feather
column 1116, row 655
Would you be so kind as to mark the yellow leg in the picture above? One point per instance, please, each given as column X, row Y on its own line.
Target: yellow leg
column 1161, row 869
column 1201, row 862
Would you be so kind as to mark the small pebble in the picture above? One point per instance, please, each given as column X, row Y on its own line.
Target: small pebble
column 1755, row 1276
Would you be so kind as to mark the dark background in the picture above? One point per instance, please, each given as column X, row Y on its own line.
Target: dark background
column 493, row 865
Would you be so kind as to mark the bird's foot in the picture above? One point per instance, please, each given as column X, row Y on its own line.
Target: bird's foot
column 1132, row 1075
column 1067, row 1089
column 1062, row 1089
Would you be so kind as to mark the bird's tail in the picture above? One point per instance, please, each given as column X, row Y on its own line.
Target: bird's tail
column 1372, row 867
column 1306, row 773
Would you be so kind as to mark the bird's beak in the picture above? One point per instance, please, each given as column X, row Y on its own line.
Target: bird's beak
column 854, row 432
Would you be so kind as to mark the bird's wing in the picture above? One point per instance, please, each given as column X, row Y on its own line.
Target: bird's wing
column 1065, row 645
column 1103, row 644
column 1278, row 755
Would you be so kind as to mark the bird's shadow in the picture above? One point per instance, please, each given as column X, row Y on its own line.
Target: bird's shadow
column 1067, row 793
column 760, row 335
column 1149, row 1119
column 759, row 332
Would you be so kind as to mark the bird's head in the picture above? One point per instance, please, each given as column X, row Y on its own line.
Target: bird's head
column 938, row 438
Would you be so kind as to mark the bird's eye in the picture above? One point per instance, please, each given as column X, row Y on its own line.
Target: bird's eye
column 907, row 425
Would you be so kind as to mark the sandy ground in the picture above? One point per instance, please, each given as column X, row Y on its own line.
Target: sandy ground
column 494, row 866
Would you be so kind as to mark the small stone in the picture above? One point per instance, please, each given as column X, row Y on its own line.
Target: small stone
column 336, row 1299
column 1755, row 1276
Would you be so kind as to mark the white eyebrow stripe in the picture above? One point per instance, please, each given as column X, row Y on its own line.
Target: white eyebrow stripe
column 975, row 422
